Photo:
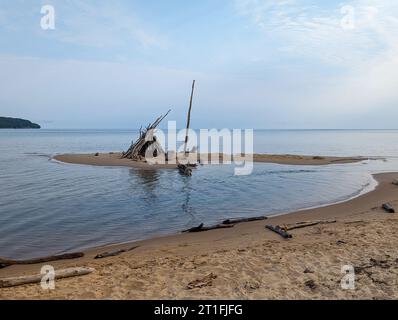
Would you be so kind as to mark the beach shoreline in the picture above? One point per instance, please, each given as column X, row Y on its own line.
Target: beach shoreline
column 362, row 231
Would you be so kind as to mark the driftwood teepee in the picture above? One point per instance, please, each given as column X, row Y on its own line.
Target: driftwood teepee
column 147, row 146
column 146, row 142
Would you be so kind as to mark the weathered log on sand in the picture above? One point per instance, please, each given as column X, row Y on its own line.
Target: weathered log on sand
column 236, row 221
column 202, row 228
column 67, row 256
column 395, row 182
column 300, row 225
column 59, row 274
column 114, row 253
column 280, row 231
column 388, row 207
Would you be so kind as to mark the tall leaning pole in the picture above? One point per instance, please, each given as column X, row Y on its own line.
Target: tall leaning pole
column 189, row 118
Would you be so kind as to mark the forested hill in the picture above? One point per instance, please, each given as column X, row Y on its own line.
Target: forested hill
column 15, row 123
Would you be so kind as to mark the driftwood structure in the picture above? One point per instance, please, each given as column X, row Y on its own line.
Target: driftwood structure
column 146, row 142
column 147, row 145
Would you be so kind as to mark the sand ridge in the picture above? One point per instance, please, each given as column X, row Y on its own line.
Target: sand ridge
column 115, row 159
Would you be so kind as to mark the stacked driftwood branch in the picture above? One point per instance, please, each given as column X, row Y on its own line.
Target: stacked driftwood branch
column 146, row 140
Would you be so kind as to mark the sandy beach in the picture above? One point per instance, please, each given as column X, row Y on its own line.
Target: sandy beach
column 247, row 261
column 114, row 159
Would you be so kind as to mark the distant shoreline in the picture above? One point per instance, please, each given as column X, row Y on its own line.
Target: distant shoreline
column 17, row 123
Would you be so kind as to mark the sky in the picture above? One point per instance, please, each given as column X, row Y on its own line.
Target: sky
column 263, row 64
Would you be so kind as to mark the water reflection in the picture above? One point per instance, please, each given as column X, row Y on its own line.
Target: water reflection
column 145, row 181
column 187, row 191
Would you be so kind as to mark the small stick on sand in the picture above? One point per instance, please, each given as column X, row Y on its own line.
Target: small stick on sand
column 300, row 225
column 60, row 274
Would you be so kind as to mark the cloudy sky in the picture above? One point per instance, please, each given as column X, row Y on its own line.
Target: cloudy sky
column 258, row 63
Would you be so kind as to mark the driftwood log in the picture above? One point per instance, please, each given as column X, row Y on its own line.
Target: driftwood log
column 60, row 274
column 236, row 221
column 388, row 207
column 114, row 253
column 202, row 228
column 395, row 182
column 300, row 225
column 6, row 263
column 185, row 170
column 280, row 231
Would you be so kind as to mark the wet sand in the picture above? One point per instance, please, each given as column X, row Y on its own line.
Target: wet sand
column 247, row 261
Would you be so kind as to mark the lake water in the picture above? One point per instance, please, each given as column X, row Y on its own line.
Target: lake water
column 48, row 207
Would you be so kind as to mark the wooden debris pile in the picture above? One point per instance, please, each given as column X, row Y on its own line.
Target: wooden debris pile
column 147, row 147
column 146, row 144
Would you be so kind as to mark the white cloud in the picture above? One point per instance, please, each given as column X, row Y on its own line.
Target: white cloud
column 363, row 60
column 316, row 32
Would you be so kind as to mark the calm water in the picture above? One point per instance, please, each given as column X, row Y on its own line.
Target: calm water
column 47, row 207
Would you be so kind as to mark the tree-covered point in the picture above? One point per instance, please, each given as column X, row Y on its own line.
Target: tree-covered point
column 15, row 123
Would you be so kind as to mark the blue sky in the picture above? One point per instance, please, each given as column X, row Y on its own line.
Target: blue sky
column 258, row 63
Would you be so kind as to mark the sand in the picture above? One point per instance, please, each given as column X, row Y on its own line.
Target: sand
column 114, row 159
column 248, row 261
